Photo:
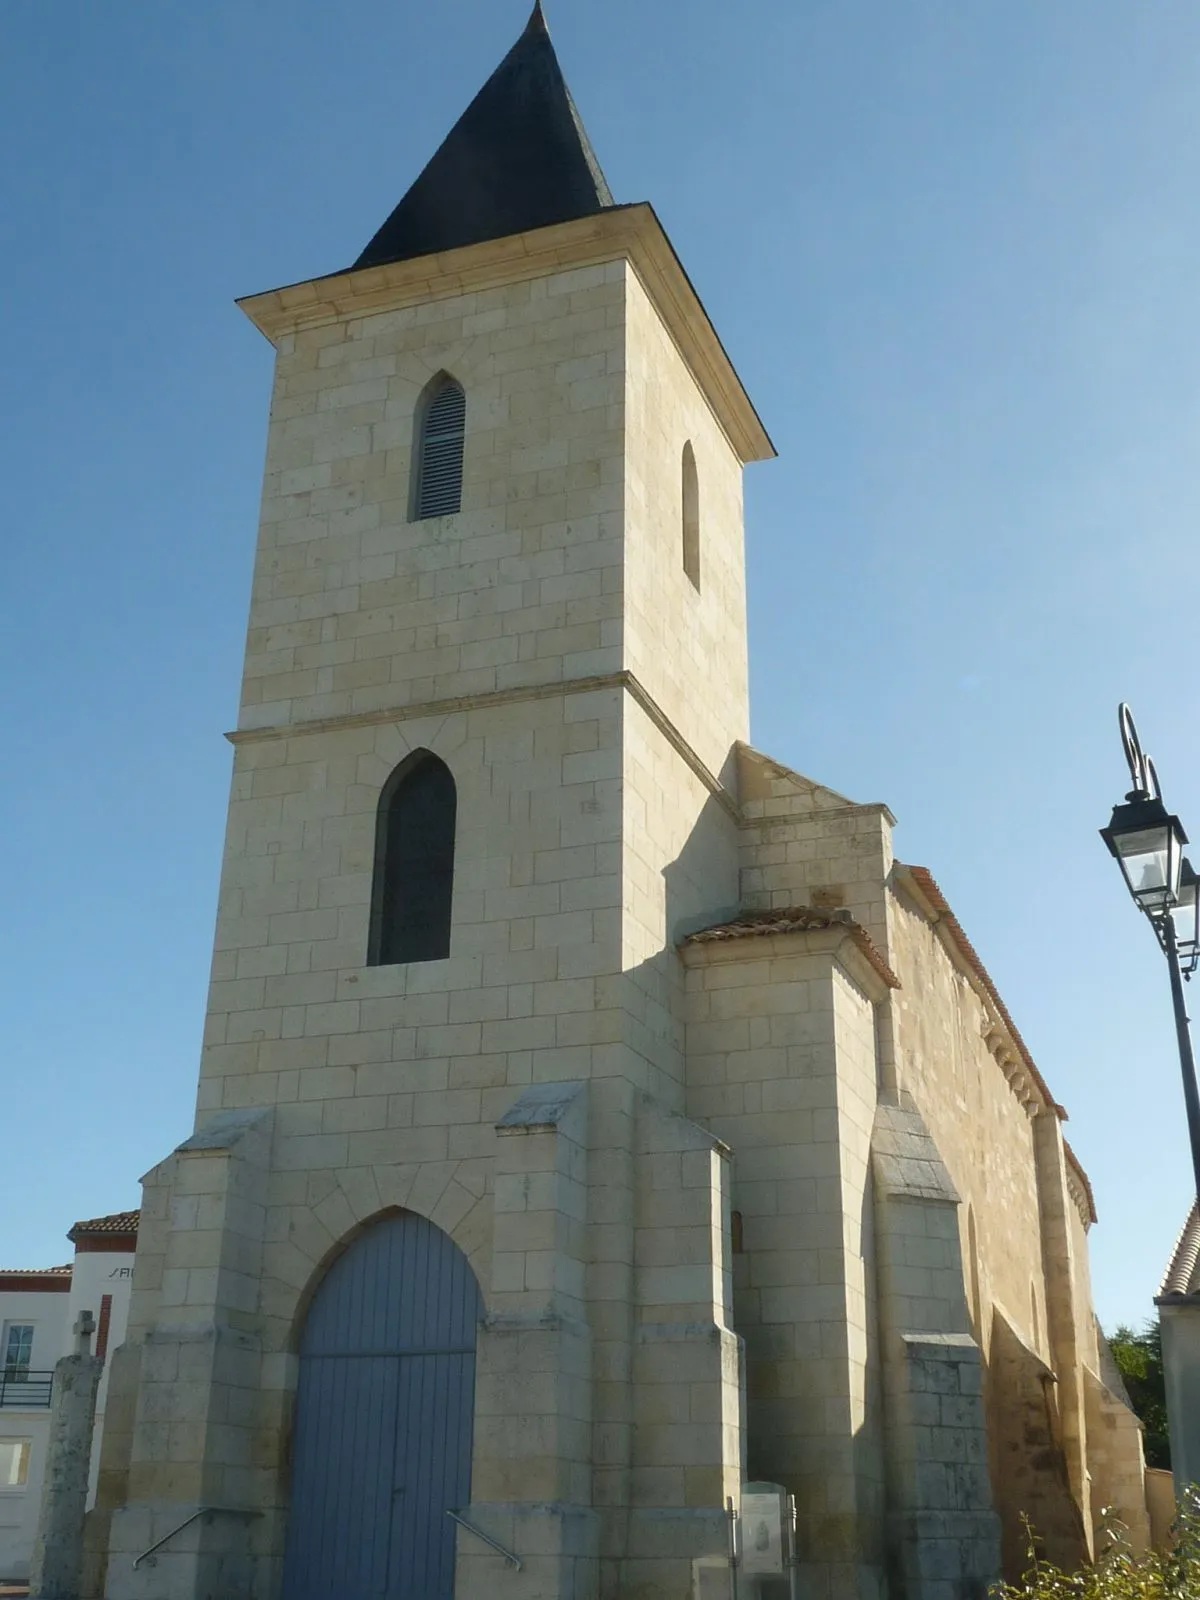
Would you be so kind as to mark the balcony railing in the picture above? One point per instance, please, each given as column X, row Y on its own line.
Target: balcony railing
column 22, row 1390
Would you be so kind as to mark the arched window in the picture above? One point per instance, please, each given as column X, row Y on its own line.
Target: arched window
column 438, row 449
column 414, row 863
column 691, row 515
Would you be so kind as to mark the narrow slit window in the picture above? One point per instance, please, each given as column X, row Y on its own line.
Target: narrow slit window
column 691, row 516
column 442, row 422
column 414, row 863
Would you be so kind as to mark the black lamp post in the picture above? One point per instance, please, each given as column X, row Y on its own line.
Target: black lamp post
column 1148, row 842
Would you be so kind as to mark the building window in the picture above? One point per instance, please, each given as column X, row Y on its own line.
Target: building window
column 18, row 1350
column 438, row 449
column 14, row 1463
column 414, row 863
column 691, row 516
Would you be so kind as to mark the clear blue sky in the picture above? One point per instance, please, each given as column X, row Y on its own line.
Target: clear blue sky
column 952, row 248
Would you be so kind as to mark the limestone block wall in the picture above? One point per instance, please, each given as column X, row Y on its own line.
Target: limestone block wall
column 124, row 1372
column 357, row 608
column 1029, row 1466
column 411, row 1061
column 531, row 1477
column 680, row 872
column 1072, row 1339
column 981, row 1128
column 781, row 1065
column 804, row 845
column 942, row 1039
column 687, row 646
column 1116, row 1464
column 1088, row 1335
column 685, row 1397
column 942, row 1531
column 192, row 1440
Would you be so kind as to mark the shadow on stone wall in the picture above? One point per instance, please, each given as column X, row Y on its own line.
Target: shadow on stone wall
column 1029, row 1469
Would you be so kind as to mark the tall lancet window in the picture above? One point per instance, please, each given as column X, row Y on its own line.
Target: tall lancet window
column 414, row 863
column 691, row 515
column 438, row 449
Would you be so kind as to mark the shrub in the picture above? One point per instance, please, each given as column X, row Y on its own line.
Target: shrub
column 1117, row 1573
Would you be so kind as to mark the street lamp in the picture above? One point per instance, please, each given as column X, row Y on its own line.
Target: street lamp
column 1147, row 841
column 1148, row 844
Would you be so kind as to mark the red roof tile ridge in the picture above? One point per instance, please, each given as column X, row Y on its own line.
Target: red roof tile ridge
column 796, row 919
column 115, row 1222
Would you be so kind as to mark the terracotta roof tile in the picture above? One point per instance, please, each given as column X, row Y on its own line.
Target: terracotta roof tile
column 116, row 1222
column 1183, row 1274
column 35, row 1280
column 796, row 919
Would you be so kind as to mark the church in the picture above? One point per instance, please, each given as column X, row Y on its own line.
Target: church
column 595, row 1116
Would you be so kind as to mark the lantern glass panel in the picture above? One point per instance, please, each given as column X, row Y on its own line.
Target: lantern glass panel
column 1184, row 914
column 1146, row 860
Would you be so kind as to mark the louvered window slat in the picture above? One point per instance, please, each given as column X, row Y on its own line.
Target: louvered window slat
column 441, row 454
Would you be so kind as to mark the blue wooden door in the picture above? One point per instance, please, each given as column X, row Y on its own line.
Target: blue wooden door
column 384, row 1414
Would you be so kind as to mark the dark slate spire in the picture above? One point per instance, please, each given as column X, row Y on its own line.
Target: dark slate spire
column 518, row 158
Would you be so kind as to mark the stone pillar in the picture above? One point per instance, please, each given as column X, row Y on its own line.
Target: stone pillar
column 531, row 1472
column 1118, row 1470
column 942, row 1531
column 193, row 1487
column 124, row 1374
column 782, row 1068
column 58, row 1553
column 686, row 1368
column 1063, row 1322
column 1031, row 1477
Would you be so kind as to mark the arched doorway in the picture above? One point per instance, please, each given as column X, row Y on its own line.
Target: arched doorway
column 384, row 1417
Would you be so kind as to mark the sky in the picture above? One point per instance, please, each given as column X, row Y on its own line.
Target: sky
column 951, row 247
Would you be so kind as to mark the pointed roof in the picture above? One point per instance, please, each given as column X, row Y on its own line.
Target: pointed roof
column 517, row 159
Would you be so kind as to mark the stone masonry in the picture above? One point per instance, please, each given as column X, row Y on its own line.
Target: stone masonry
column 755, row 1174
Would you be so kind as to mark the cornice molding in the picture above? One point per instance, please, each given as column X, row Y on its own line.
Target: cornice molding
column 632, row 233
column 625, row 681
column 839, row 941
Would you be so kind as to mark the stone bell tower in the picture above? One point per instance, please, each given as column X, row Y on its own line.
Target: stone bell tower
column 496, row 654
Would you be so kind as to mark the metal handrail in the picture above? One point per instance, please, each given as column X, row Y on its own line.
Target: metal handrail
column 204, row 1511
column 513, row 1561
column 21, row 1388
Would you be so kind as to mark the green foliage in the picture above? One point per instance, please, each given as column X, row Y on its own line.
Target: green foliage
column 1117, row 1573
column 1139, row 1356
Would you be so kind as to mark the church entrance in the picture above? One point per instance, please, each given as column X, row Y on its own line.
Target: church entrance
column 384, row 1419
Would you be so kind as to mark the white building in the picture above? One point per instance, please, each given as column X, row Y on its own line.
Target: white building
column 38, row 1310
column 1178, row 1304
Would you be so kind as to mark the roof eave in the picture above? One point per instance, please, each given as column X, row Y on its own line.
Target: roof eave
column 630, row 232
column 839, row 937
column 922, row 887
